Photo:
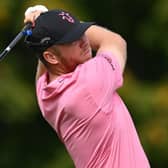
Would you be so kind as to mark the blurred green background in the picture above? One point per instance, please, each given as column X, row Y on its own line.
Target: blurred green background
column 26, row 140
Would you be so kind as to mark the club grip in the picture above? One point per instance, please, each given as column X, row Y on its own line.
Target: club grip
column 28, row 26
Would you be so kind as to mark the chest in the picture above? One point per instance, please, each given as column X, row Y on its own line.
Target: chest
column 77, row 102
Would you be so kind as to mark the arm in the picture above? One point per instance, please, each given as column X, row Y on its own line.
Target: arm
column 41, row 69
column 31, row 15
column 102, row 39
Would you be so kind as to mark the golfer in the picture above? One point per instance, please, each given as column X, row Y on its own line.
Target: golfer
column 77, row 92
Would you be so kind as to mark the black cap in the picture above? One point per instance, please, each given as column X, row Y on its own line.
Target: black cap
column 56, row 27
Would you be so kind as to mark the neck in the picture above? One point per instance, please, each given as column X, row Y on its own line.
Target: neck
column 51, row 77
column 56, row 71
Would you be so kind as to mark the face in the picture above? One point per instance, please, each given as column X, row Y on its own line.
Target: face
column 75, row 53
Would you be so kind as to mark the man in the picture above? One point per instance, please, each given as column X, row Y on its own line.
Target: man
column 77, row 93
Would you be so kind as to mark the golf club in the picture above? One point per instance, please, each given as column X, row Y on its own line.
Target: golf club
column 25, row 31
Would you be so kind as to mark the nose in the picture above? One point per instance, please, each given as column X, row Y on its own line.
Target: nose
column 83, row 42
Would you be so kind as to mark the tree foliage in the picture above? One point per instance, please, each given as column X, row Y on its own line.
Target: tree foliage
column 26, row 139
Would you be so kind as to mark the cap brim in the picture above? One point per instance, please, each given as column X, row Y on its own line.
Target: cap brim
column 76, row 33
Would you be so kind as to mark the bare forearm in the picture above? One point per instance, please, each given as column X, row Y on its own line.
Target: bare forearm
column 99, row 36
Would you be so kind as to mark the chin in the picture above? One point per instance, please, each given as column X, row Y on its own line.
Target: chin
column 88, row 56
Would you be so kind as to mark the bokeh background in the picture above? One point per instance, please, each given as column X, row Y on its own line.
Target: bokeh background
column 26, row 140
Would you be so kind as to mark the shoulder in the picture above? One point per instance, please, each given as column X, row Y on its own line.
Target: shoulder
column 41, row 81
column 104, row 60
column 115, row 52
column 104, row 67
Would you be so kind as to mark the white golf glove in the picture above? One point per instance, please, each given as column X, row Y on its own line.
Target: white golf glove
column 36, row 8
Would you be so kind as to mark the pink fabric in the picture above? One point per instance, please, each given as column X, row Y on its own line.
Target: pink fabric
column 90, row 118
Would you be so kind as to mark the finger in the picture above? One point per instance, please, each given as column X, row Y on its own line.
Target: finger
column 32, row 13
column 41, row 8
column 32, row 17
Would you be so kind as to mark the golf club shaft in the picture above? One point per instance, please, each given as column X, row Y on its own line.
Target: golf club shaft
column 25, row 31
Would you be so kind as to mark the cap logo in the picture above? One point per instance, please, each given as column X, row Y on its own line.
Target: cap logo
column 66, row 16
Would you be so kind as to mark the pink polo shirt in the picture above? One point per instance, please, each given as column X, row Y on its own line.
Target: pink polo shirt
column 89, row 116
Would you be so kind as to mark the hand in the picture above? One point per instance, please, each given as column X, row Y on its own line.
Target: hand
column 32, row 13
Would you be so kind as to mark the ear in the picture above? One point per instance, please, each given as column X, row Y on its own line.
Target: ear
column 50, row 57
